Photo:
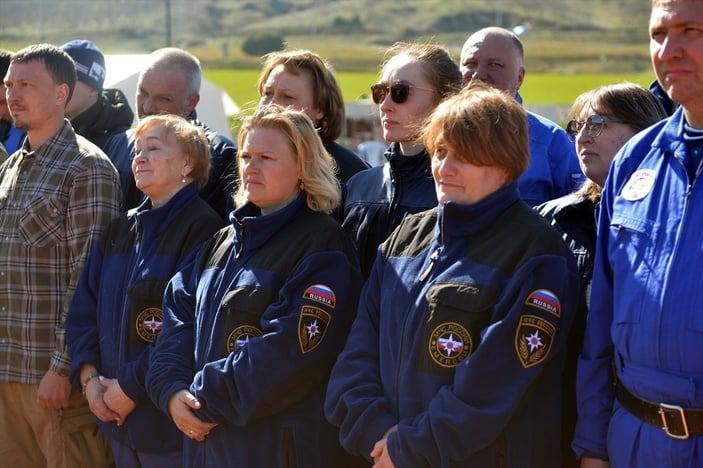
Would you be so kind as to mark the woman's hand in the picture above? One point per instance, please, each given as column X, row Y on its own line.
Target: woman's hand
column 380, row 455
column 594, row 463
column 95, row 393
column 116, row 399
column 180, row 407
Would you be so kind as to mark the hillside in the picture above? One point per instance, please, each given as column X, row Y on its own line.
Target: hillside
column 568, row 36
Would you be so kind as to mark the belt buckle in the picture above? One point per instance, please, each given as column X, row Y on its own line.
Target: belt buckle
column 665, row 409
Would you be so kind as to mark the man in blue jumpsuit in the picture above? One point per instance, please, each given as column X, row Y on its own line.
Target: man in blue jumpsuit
column 496, row 56
column 640, row 377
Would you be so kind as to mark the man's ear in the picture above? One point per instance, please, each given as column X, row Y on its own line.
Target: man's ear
column 62, row 92
column 520, row 77
column 193, row 101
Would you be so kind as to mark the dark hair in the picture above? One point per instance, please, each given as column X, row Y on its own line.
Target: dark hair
column 5, row 57
column 326, row 93
column 627, row 102
column 436, row 64
column 484, row 126
column 58, row 63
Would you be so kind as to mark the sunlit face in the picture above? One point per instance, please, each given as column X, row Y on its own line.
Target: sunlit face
column 291, row 90
column 401, row 122
column 492, row 59
column 596, row 153
column 82, row 98
column 269, row 169
column 459, row 181
column 32, row 96
column 676, row 49
column 159, row 165
column 164, row 91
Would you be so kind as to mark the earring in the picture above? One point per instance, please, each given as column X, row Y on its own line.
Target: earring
column 183, row 179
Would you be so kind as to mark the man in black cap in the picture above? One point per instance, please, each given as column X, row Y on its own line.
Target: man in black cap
column 95, row 113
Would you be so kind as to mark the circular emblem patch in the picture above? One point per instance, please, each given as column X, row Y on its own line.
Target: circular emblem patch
column 240, row 336
column 639, row 185
column 149, row 323
column 450, row 343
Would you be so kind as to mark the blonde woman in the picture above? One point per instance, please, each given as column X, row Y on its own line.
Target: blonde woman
column 253, row 326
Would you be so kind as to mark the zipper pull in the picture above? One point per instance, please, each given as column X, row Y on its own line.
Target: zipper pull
column 433, row 258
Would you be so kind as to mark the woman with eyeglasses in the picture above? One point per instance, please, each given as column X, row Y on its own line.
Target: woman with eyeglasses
column 455, row 355
column 414, row 79
column 602, row 120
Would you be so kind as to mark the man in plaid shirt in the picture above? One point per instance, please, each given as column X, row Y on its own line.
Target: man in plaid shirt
column 57, row 193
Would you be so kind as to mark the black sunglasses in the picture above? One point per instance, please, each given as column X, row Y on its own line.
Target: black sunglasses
column 594, row 126
column 399, row 92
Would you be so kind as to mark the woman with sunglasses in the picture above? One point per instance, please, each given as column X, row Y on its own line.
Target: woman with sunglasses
column 455, row 355
column 414, row 79
column 602, row 120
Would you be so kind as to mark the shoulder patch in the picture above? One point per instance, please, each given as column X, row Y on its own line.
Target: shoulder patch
column 321, row 293
column 533, row 340
column 546, row 300
column 450, row 343
column 639, row 185
column 240, row 335
column 149, row 323
column 312, row 327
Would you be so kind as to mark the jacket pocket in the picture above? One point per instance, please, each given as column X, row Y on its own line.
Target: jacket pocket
column 244, row 307
column 43, row 222
column 456, row 315
column 632, row 252
column 145, row 315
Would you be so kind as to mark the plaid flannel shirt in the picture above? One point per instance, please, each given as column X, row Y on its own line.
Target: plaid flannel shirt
column 54, row 203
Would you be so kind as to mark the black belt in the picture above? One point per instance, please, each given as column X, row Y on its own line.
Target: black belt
column 676, row 421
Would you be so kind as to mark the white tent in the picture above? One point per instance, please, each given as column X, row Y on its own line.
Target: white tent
column 215, row 106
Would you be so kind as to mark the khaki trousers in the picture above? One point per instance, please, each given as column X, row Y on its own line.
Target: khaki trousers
column 31, row 436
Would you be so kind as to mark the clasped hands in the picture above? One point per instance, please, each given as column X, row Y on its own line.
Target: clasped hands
column 107, row 401
column 180, row 407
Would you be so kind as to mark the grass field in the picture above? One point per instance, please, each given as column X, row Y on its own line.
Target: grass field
column 547, row 89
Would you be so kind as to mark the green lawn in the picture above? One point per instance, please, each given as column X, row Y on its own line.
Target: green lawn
column 563, row 89
column 537, row 88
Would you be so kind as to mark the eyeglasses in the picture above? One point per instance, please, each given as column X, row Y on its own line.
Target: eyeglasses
column 399, row 92
column 594, row 126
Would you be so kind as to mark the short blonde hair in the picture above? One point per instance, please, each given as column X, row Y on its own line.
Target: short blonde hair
column 317, row 168
column 485, row 126
column 190, row 138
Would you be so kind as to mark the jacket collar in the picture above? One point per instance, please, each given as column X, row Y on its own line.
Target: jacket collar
column 155, row 220
column 456, row 220
column 248, row 221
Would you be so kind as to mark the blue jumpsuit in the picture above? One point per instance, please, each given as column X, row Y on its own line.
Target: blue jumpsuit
column 646, row 315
